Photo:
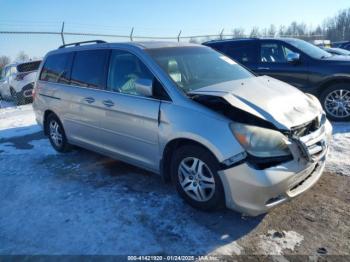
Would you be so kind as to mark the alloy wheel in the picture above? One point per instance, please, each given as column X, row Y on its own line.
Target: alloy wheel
column 196, row 179
column 337, row 103
column 56, row 133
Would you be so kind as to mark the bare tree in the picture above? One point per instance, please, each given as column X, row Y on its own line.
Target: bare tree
column 272, row 31
column 282, row 30
column 22, row 56
column 338, row 27
column 255, row 32
column 4, row 60
column 238, row 32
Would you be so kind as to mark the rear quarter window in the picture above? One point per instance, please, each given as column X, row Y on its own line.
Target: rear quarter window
column 28, row 67
column 56, row 68
column 244, row 53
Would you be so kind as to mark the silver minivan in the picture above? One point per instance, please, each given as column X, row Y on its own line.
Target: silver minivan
column 222, row 135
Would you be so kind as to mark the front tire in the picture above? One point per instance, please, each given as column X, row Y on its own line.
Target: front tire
column 336, row 102
column 57, row 136
column 194, row 172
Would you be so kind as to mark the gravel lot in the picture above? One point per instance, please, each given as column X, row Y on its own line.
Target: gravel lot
column 85, row 203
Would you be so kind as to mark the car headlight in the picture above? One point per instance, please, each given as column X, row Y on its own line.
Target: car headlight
column 259, row 141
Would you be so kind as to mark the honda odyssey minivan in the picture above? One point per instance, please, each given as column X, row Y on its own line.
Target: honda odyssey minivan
column 222, row 135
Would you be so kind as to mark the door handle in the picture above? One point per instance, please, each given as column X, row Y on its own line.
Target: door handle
column 89, row 99
column 263, row 68
column 108, row 103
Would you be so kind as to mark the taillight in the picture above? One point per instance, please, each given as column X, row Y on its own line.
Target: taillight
column 33, row 93
column 20, row 76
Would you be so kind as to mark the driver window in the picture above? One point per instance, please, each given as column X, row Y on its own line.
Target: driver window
column 8, row 72
column 13, row 70
column 124, row 70
column 274, row 53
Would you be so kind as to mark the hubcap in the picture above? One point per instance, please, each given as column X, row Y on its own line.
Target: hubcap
column 337, row 103
column 196, row 179
column 55, row 133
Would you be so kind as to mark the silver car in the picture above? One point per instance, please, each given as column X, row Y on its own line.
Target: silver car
column 17, row 81
column 223, row 136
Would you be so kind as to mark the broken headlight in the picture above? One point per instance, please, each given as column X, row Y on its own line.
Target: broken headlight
column 261, row 142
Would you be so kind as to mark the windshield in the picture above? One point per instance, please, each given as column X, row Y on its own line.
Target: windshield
column 309, row 49
column 192, row 68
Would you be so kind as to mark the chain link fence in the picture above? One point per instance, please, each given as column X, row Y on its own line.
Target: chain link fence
column 37, row 43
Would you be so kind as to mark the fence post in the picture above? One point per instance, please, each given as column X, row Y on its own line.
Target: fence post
column 178, row 36
column 221, row 34
column 62, row 34
column 131, row 34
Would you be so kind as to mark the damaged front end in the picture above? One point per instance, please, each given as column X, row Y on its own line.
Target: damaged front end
column 269, row 135
column 285, row 150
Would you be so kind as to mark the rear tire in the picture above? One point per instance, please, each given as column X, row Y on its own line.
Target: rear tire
column 336, row 102
column 194, row 173
column 56, row 134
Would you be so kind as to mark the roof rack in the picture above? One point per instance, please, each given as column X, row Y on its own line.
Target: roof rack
column 84, row 42
column 230, row 39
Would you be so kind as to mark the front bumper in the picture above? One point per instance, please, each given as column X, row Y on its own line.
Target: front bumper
column 254, row 192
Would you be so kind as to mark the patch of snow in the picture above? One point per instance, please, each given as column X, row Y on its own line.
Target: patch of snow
column 17, row 121
column 274, row 243
column 339, row 155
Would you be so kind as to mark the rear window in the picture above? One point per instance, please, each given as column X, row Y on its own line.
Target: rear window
column 56, row 68
column 28, row 67
column 90, row 68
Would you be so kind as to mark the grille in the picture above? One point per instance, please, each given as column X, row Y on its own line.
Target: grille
column 311, row 139
column 309, row 127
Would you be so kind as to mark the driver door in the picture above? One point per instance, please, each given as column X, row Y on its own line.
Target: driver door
column 129, row 126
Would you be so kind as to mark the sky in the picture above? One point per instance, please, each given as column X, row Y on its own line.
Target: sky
column 148, row 17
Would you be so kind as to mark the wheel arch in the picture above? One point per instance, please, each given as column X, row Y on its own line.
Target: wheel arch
column 332, row 81
column 169, row 150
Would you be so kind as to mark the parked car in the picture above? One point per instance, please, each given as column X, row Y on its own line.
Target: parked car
column 188, row 113
column 342, row 44
column 298, row 63
column 17, row 81
column 336, row 51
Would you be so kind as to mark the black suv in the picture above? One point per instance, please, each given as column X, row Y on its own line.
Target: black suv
column 298, row 63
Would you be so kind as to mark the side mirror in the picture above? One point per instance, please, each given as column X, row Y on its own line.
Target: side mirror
column 293, row 58
column 144, row 87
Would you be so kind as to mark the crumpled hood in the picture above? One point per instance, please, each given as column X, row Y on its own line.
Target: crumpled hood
column 267, row 98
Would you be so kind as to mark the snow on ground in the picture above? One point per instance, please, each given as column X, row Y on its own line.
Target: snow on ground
column 101, row 206
column 274, row 242
column 339, row 156
column 17, row 121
